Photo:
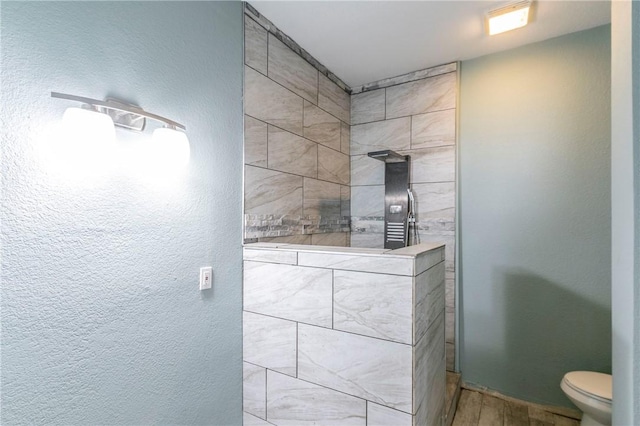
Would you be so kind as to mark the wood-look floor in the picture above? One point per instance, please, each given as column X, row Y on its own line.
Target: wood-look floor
column 479, row 409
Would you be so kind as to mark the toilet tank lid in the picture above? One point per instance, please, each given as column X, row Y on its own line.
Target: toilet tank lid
column 598, row 384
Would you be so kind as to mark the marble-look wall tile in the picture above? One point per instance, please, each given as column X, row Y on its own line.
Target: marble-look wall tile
column 333, row 166
column 269, row 192
column 255, row 142
column 255, row 45
column 295, row 402
column 268, row 101
column 271, row 256
column 345, row 201
column 367, row 200
column 333, row 99
column 367, row 107
column 321, row 127
column 433, row 129
column 422, row 96
column 366, row 170
column 367, row 240
column 368, row 368
column 449, row 250
column 449, row 326
column 438, row 226
column 435, row 200
column 292, row 154
column 450, row 293
column 339, row 239
column 304, row 296
column 289, row 69
column 451, row 356
column 290, row 239
column 381, row 135
column 430, row 375
column 374, row 224
column 379, row 415
column 379, row 264
column 254, row 390
column 321, row 198
column 375, row 305
column 345, row 138
column 433, row 165
column 250, row 420
column 269, row 342
column 429, row 259
column 429, row 299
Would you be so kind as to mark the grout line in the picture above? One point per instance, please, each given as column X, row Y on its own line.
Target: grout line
column 331, row 329
column 303, row 198
column 295, row 134
column 371, row 89
column 267, row 142
column 385, row 103
column 294, row 93
column 333, row 297
column 402, row 116
column 302, row 176
column 411, row 134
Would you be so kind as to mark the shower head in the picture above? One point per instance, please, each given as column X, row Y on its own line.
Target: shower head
column 388, row 156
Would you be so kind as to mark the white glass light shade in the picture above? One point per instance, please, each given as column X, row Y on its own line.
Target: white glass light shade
column 84, row 144
column 509, row 18
column 89, row 127
column 171, row 147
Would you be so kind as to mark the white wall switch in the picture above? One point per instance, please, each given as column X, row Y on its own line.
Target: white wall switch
column 206, row 276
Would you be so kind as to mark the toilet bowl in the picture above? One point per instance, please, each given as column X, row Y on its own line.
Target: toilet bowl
column 591, row 393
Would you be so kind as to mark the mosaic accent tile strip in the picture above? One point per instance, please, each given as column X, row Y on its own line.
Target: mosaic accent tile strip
column 272, row 225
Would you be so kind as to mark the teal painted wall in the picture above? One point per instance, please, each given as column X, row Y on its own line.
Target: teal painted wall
column 102, row 319
column 625, row 203
column 636, row 165
column 535, row 132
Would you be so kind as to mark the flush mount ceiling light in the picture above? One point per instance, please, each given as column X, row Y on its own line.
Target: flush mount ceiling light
column 101, row 116
column 508, row 17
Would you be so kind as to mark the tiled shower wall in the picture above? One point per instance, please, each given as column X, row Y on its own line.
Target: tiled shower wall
column 296, row 164
column 417, row 118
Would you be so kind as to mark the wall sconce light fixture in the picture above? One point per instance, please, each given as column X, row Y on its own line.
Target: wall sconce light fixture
column 507, row 18
column 100, row 117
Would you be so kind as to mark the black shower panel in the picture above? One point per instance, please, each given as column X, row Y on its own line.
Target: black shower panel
column 396, row 198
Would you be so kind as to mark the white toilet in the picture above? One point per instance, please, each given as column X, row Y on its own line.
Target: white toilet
column 591, row 393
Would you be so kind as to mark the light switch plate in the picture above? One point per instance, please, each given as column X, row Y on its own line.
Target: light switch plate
column 206, row 277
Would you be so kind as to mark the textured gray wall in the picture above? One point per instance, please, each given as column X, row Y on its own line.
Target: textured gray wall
column 535, row 215
column 102, row 319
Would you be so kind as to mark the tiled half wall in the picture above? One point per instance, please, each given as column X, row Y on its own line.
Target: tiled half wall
column 343, row 336
column 414, row 115
column 296, row 145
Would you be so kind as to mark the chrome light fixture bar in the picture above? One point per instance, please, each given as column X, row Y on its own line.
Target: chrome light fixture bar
column 123, row 115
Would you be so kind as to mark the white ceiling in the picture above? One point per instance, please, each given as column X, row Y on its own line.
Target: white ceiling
column 365, row 41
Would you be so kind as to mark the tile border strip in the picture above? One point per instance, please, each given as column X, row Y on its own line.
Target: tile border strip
column 406, row 78
column 290, row 43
